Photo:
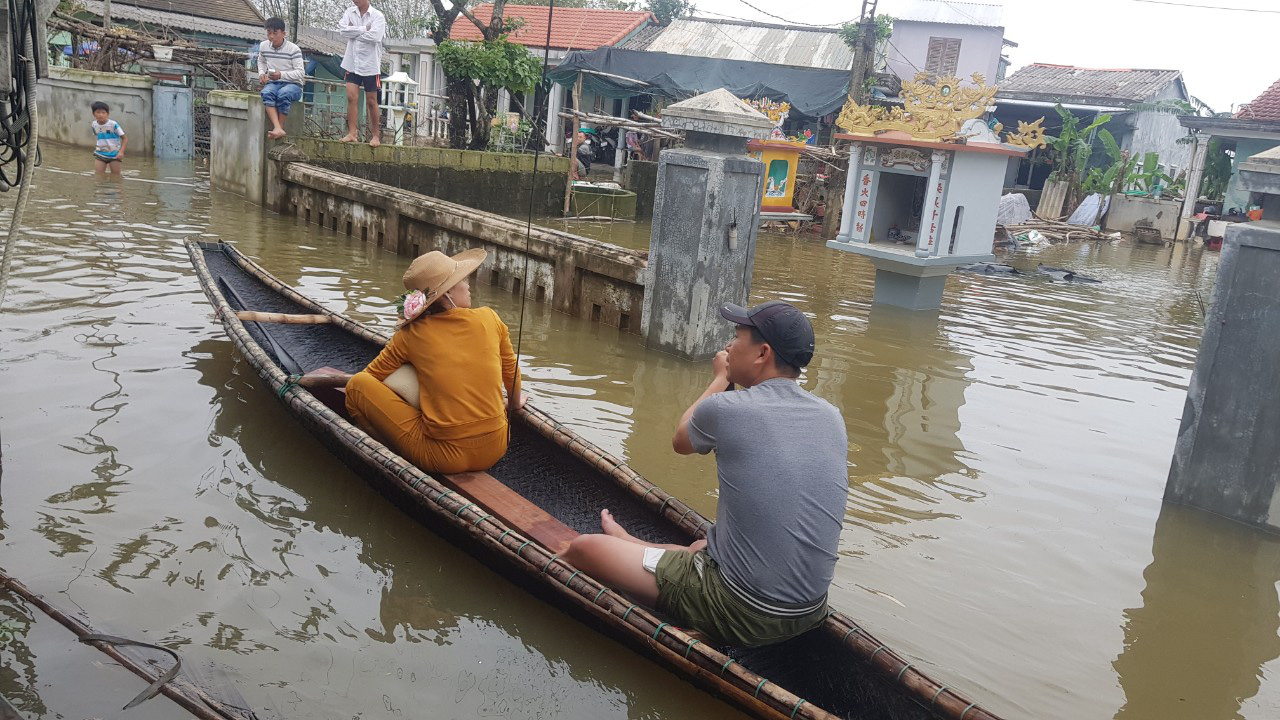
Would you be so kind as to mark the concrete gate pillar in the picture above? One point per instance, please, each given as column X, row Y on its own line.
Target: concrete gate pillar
column 1226, row 459
column 705, row 218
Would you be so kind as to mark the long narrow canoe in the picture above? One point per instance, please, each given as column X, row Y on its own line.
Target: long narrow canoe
column 550, row 487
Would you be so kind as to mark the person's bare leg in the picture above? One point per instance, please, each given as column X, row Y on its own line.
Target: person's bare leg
column 616, row 563
column 276, row 132
column 613, row 529
column 374, row 116
column 353, row 116
column 99, row 166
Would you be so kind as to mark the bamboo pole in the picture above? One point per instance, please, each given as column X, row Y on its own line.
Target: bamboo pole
column 573, row 147
column 648, row 128
column 202, row 706
column 275, row 317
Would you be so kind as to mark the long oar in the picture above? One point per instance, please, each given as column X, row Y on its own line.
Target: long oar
column 191, row 698
column 286, row 360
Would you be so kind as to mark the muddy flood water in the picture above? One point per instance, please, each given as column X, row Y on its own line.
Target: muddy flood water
column 1004, row 529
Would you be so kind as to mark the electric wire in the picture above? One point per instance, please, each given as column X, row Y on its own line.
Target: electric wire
column 19, row 125
column 794, row 22
column 533, row 183
column 1209, row 7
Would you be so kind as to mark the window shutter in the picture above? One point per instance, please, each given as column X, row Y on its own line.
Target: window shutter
column 944, row 56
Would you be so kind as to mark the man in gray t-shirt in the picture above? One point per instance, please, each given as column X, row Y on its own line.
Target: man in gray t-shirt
column 762, row 574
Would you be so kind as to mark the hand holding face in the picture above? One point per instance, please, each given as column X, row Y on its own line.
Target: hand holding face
column 720, row 364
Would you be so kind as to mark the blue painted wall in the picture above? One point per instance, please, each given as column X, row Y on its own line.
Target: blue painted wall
column 1245, row 147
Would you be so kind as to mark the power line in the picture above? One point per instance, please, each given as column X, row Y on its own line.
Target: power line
column 790, row 22
column 903, row 56
column 951, row 5
column 735, row 42
column 1208, row 7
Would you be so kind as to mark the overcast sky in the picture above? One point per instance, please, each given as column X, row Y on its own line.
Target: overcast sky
column 1227, row 58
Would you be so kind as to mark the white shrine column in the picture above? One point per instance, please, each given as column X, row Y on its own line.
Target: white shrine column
column 620, row 152
column 1194, row 174
column 850, row 193
column 554, row 134
column 931, row 215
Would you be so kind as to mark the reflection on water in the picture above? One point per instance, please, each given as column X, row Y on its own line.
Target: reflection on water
column 1007, row 459
column 1198, row 644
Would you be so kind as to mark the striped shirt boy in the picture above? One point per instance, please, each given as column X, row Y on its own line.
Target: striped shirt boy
column 107, row 139
column 287, row 59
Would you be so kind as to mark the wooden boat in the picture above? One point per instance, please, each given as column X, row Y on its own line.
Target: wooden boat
column 550, row 487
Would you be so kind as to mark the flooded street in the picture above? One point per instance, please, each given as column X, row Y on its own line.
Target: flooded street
column 1004, row 530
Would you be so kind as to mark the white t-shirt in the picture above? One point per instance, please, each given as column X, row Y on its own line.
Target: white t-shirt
column 364, row 34
column 107, row 135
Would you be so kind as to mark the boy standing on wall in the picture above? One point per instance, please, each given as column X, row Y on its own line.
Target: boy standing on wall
column 363, row 26
column 110, row 140
column 281, row 72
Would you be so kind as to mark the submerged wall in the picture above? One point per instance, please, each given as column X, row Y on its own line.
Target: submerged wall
column 582, row 277
column 65, row 115
column 1128, row 211
column 494, row 182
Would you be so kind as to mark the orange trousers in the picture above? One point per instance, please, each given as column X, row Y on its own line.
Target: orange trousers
column 379, row 411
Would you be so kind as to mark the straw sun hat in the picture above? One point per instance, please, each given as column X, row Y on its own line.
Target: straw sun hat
column 434, row 273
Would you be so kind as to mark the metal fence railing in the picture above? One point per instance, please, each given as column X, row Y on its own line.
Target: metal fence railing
column 421, row 121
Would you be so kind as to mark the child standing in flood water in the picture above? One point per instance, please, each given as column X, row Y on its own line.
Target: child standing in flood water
column 108, row 151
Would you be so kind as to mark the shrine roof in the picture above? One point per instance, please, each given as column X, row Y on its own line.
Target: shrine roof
column 935, row 145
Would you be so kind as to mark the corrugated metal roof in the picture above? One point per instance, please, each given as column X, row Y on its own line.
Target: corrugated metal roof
column 947, row 13
column 313, row 39
column 236, row 11
column 757, row 42
column 572, row 28
column 1265, row 107
column 1052, row 83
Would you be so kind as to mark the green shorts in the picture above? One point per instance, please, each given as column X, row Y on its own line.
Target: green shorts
column 692, row 592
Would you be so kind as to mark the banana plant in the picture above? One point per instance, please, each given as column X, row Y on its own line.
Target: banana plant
column 1147, row 177
column 1071, row 149
column 1103, row 180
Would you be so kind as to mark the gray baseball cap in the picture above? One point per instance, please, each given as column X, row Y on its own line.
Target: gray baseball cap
column 785, row 328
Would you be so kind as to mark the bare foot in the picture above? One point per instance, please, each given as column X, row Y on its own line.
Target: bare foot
column 374, row 141
column 611, row 526
column 276, row 134
column 348, row 138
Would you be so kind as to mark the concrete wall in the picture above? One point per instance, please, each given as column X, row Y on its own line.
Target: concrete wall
column 494, row 182
column 65, row 97
column 1238, row 197
column 585, row 278
column 979, row 48
column 238, row 142
column 1126, row 212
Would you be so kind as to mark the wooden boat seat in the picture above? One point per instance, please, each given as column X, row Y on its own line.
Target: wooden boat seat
column 512, row 509
column 335, row 398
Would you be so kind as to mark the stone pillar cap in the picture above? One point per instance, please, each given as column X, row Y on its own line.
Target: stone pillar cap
column 1261, row 173
column 718, row 112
